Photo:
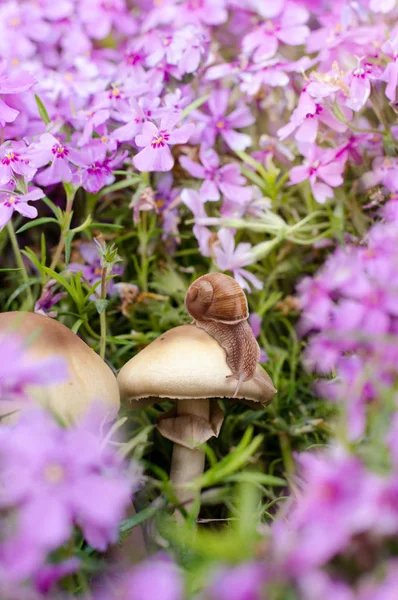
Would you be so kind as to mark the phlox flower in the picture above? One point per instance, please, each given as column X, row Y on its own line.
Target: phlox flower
column 22, row 23
column 18, row 370
column 12, row 83
column 209, row 12
column 157, row 577
column 49, row 149
column 13, row 160
column 48, row 299
column 226, row 179
column 306, row 119
column 359, row 82
column 382, row 6
column 320, row 164
column 98, row 172
column 219, row 123
column 234, row 259
column 390, row 75
column 246, row 581
column 289, row 28
column 156, row 142
column 60, row 478
column 196, row 204
column 13, row 201
column 384, row 171
column 100, row 17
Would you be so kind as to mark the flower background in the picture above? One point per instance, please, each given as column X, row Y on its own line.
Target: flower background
column 145, row 143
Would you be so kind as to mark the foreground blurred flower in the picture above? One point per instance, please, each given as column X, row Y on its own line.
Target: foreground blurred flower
column 58, row 478
column 12, row 83
column 18, row 370
column 157, row 578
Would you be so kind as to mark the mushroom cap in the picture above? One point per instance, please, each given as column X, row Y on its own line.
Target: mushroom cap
column 186, row 362
column 90, row 378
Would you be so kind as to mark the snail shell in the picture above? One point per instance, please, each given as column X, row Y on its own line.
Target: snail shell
column 217, row 297
column 240, row 345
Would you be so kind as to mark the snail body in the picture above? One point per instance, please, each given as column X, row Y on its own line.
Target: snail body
column 219, row 306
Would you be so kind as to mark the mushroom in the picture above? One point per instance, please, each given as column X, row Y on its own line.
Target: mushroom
column 90, row 379
column 186, row 364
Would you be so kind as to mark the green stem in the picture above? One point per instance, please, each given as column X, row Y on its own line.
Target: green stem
column 19, row 261
column 143, row 253
column 103, row 315
column 286, row 450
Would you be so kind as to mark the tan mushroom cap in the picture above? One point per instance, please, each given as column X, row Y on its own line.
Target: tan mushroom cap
column 90, row 378
column 187, row 363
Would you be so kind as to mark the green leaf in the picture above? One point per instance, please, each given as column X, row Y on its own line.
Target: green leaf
column 194, row 105
column 68, row 245
column 55, row 209
column 10, row 269
column 42, row 110
column 21, row 289
column 143, row 515
column 36, row 222
column 100, row 305
column 120, row 185
column 105, row 226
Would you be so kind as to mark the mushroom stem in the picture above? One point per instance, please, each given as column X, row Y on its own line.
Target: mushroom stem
column 187, row 463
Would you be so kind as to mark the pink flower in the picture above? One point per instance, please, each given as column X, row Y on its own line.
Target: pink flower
column 195, row 203
column 320, row 164
column 209, row 12
column 231, row 258
column 155, row 578
column 12, row 201
column 156, row 155
column 13, row 160
column 12, row 83
column 18, row 370
column 60, row 478
column 306, row 118
column 226, row 179
column 49, row 149
column 390, row 74
column 359, row 82
column 382, row 6
column 218, row 123
column 289, row 29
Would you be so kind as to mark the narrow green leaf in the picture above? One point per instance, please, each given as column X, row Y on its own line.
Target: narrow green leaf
column 194, row 105
column 36, row 223
column 105, row 226
column 143, row 515
column 120, row 185
column 42, row 110
column 68, row 245
column 20, row 290
column 55, row 209
column 10, row 269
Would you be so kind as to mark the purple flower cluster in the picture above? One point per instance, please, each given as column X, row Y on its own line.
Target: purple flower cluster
column 350, row 310
column 54, row 480
column 122, row 87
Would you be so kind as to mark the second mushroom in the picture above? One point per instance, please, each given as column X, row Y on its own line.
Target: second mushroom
column 214, row 357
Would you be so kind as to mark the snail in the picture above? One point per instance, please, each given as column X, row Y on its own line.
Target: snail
column 219, row 306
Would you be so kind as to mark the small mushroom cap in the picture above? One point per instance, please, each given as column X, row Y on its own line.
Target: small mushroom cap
column 90, row 378
column 184, row 363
